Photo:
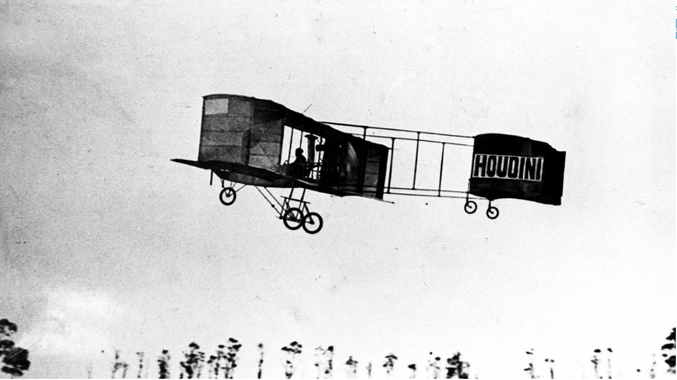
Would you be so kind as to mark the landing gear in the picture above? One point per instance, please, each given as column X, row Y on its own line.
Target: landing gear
column 296, row 217
column 301, row 216
column 492, row 212
column 228, row 193
column 293, row 218
column 228, row 196
column 470, row 207
column 312, row 223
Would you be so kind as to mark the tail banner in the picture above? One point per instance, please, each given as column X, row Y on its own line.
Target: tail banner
column 506, row 166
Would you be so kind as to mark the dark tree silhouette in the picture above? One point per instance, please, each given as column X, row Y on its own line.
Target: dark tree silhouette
column 324, row 361
column 293, row 350
column 412, row 367
column 231, row 357
column 530, row 367
column 669, row 351
column 193, row 364
column 456, row 367
column 219, row 362
column 260, row 373
column 118, row 365
column 140, row 355
column 352, row 367
column 595, row 362
column 434, row 367
column 390, row 363
column 551, row 364
column 163, row 363
column 14, row 359
column 213, row 366
column 330, row 360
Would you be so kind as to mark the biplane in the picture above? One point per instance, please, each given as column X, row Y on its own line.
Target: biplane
column 246, row 141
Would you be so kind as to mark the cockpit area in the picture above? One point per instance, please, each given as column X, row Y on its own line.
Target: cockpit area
column 264, row 143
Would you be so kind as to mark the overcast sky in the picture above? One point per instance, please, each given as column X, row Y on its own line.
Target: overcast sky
column 106, row 244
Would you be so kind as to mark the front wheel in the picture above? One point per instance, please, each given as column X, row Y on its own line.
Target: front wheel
column 228, row 196
column 293, row 218
column 312, row 223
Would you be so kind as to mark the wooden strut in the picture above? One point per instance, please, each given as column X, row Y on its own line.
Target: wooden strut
column 397, row 130
column 392, row 156
column 279, row 212
column 363, row 166
column 418, row 135
column 439, row 187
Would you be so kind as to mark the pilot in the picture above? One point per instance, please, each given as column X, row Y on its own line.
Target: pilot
column 298, row 167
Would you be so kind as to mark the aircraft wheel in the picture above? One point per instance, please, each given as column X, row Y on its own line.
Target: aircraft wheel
column 227, row 196
column 470, row 207
column 293, row 218
column 312, row 223
column 492, row 212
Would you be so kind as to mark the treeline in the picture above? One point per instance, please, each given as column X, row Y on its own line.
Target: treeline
column 195, row 364
column 222, row 364
column 602, row 362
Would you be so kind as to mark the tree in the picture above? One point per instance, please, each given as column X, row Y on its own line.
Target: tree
column 323, row 361
column 352, row 367
column 14, row 359
column 163, row 362
column 390, row 363
column 118, row 364
column 293, row 350
column 551, row 367
column 456, row 367
column 434, row 366
column 412, row 367
column 193, row 363
column 595, row 362
column 140, row 355
column 530, row 368
column 231, row 357
column 260, row 373
column 669, row 351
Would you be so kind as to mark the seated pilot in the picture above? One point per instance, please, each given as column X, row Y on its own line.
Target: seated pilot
column 298, row 168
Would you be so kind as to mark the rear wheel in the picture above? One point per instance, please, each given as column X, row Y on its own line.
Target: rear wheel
column 470, row 207
column 293, row 218
column 227, row 196
column 312, row 223
column 492, row 212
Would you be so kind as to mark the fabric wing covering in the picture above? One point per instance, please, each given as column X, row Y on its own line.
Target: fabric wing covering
column 239, row 130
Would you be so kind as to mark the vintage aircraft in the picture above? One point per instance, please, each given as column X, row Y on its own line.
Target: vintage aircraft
column 250, row 141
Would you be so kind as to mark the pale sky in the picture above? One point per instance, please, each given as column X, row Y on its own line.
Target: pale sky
column 106, row 244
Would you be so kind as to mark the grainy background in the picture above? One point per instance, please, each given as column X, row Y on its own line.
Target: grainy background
column 107, row 244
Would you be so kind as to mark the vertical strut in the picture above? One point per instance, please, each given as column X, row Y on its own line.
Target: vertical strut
column 291, row 143
column 418, row 137
column 392, row 155
column 363, row 166
column 439, row 188
column 288, row 200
